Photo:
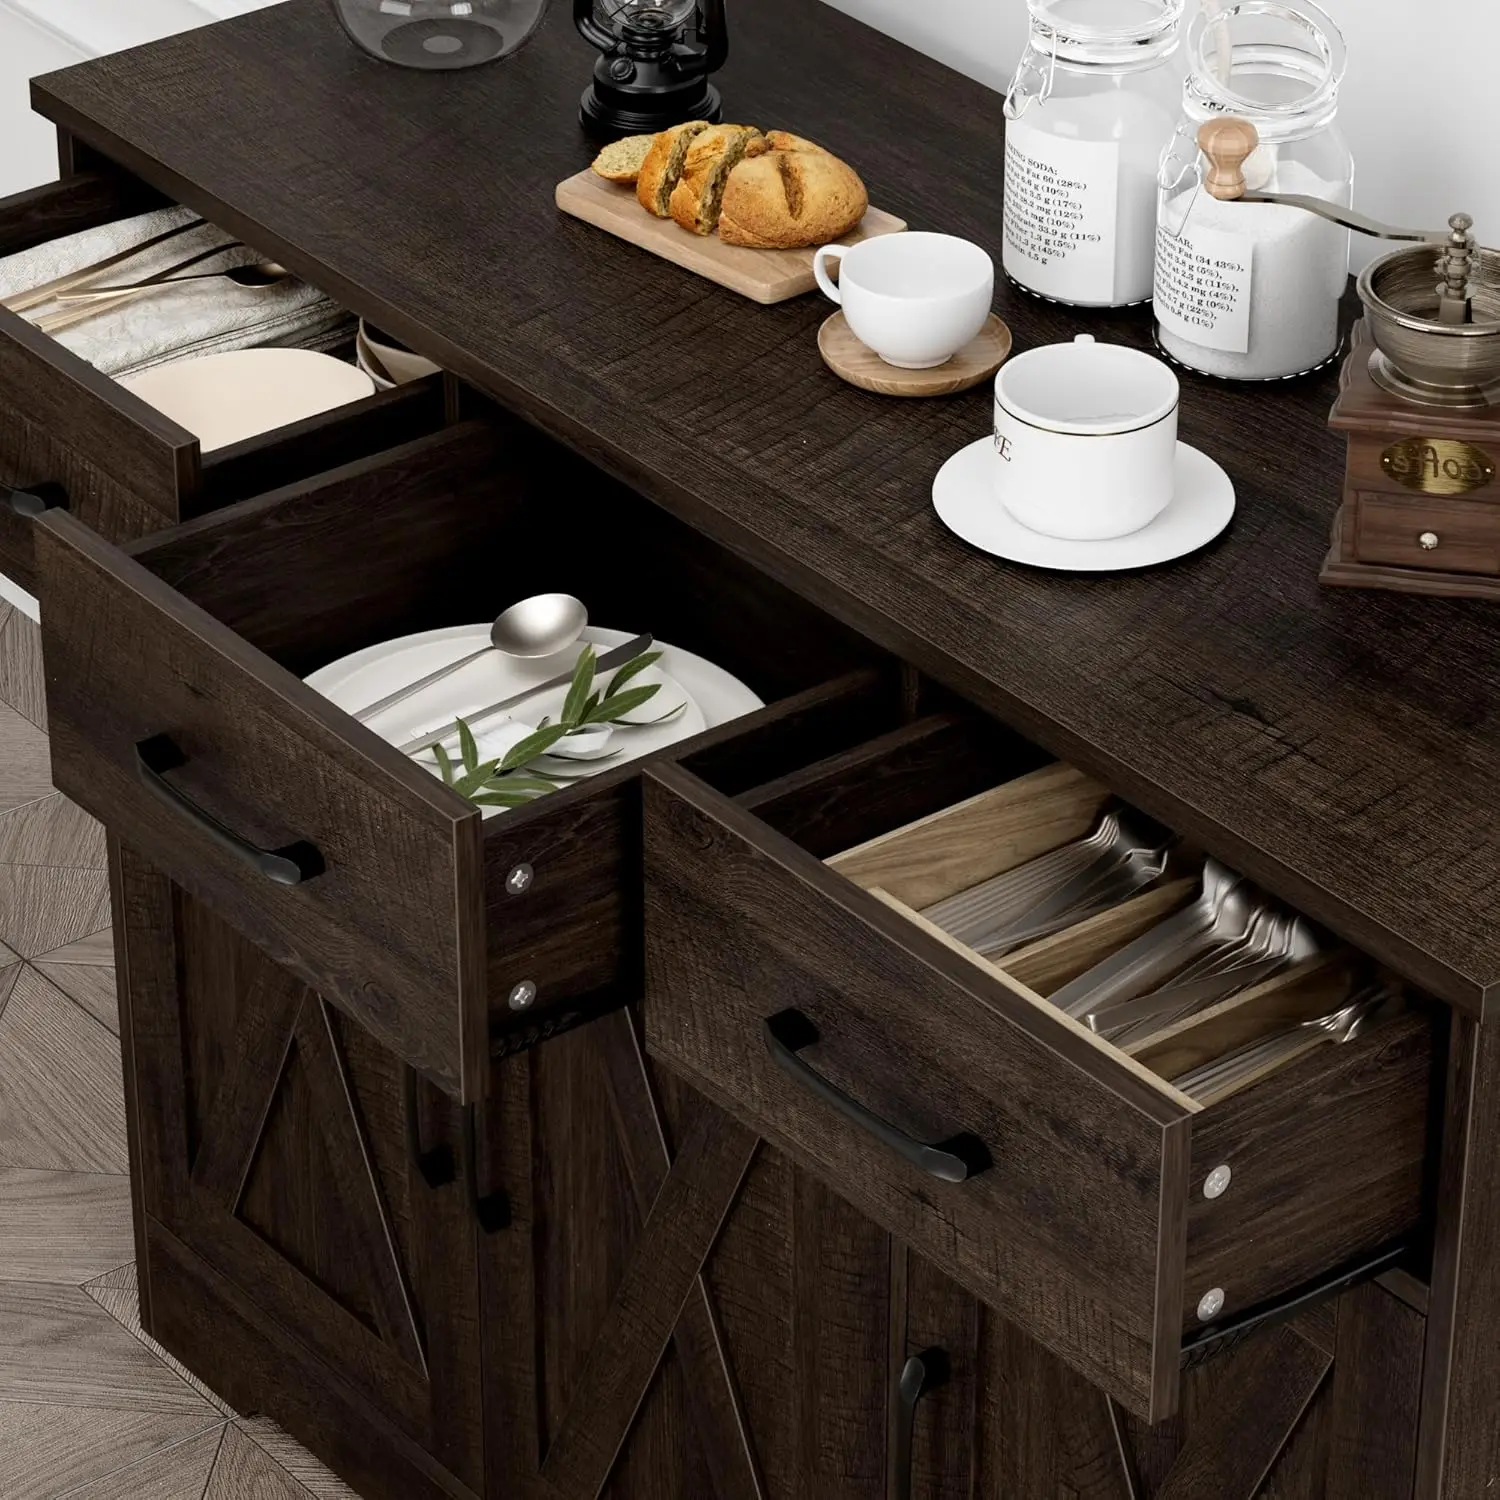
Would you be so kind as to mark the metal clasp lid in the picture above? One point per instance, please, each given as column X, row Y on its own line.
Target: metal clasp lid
column 1181, row 161
column 1032, row 84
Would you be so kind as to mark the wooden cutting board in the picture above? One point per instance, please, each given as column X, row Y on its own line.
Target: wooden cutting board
column 762, row 275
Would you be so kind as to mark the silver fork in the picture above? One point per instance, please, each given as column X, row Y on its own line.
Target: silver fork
column 1342, row 1025
column 968, row 915
column 1136, row 857
column 1287, row 940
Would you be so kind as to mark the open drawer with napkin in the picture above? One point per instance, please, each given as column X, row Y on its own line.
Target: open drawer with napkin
column 118, row 311
column 213, row 695
column 1111, row 1089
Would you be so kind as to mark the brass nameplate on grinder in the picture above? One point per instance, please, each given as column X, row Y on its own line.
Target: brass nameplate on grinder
column 1438, row 466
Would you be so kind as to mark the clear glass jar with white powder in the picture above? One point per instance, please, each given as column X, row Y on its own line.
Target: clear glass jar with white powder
column 1250, row 291
column 1093, row 97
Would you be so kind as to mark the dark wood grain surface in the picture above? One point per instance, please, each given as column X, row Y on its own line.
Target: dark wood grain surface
column 276, row 1188
column 413, row 969
column 1328, row 1161
column 1337, row 744
column 1076, row 1227
column 1278, row 1376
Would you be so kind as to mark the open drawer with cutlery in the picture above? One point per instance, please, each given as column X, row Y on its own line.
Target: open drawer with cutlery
column 73, row 435
column 179, row 719
column 1133, row 1104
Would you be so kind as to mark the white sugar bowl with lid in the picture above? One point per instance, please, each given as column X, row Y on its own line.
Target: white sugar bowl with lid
column 1085, row 439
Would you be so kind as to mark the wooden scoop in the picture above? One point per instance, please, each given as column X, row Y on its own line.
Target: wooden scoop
column 1227, row 142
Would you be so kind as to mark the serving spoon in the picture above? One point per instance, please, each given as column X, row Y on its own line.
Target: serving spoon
column 256, row 275
column 76, row 307
column 539, row 626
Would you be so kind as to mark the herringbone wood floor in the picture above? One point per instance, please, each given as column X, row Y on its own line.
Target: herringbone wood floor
column 90, row 1407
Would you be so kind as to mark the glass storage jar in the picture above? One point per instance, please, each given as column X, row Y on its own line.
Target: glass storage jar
column 1093, row 97
column 1250, row 291
column 439, row 35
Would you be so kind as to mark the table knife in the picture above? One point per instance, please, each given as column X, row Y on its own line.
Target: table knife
column 36, row 295
column 616, row 656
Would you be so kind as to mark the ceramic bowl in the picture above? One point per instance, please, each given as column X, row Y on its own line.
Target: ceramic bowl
column 395, row 359
column 227, row 398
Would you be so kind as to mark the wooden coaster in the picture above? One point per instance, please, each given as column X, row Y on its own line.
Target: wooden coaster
column 850, row 360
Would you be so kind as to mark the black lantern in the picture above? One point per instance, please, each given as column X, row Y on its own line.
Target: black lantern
column 657, row 55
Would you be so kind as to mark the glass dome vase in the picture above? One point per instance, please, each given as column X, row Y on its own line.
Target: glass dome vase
column 439, row 35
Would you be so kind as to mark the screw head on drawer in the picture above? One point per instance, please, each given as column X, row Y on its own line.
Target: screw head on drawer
column 1427, row 541
column 1216, row 1181
column 519, row 880
column 522, row 995
column 1211, row 1304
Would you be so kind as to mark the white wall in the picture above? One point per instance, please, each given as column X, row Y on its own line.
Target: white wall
column 38, row 36
column 1420, row 103
column 28, row 143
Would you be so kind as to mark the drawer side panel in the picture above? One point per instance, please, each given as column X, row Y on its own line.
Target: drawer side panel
column 1328, row 1160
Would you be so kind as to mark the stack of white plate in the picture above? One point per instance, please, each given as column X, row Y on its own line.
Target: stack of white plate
column 705, row 694
column 227, row 398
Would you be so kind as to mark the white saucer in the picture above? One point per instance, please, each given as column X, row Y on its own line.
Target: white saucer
column 964, row 499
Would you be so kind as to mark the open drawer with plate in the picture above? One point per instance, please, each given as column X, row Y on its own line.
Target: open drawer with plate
column 179, row 718
column 977, row 1107
column 73, row 435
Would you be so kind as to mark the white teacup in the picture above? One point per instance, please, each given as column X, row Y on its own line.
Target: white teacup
column 916, row 299
column 1085, row 439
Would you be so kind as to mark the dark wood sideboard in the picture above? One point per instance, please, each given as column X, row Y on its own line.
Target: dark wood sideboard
column 464, row 1155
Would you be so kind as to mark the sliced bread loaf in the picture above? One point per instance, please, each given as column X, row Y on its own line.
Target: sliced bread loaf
column 622, row 161
column 662, row 167
column 711, row 158
column 787, row 198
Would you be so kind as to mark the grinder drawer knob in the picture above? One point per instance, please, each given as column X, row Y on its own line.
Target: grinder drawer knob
column 1428, row 540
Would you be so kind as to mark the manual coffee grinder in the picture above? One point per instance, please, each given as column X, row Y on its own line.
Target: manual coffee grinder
column 1420, row 403
column 1419, row 399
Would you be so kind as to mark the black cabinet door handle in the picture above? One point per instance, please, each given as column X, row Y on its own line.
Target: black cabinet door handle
column 921, row 1373
column 292, row 865
column 435, row 1163
column 33, row 499
column 492, row 1209
column 954, row 1160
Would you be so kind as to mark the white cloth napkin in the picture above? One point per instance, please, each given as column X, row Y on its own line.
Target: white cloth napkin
column 201, row 317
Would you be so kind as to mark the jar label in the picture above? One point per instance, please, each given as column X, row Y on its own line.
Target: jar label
column 1060, row 213
column 1203, row 280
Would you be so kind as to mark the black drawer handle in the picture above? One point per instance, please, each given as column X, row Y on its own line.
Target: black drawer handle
column 921, row 1373
column 954, row 1160
column 33, row 499
column 289, row 866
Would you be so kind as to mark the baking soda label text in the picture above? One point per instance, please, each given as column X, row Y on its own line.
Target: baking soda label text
column 1060, row 213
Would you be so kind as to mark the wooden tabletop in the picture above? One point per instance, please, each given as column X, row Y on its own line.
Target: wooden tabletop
column 1339, row 745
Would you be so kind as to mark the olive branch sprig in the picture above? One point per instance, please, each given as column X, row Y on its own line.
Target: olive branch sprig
column 514, row 779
